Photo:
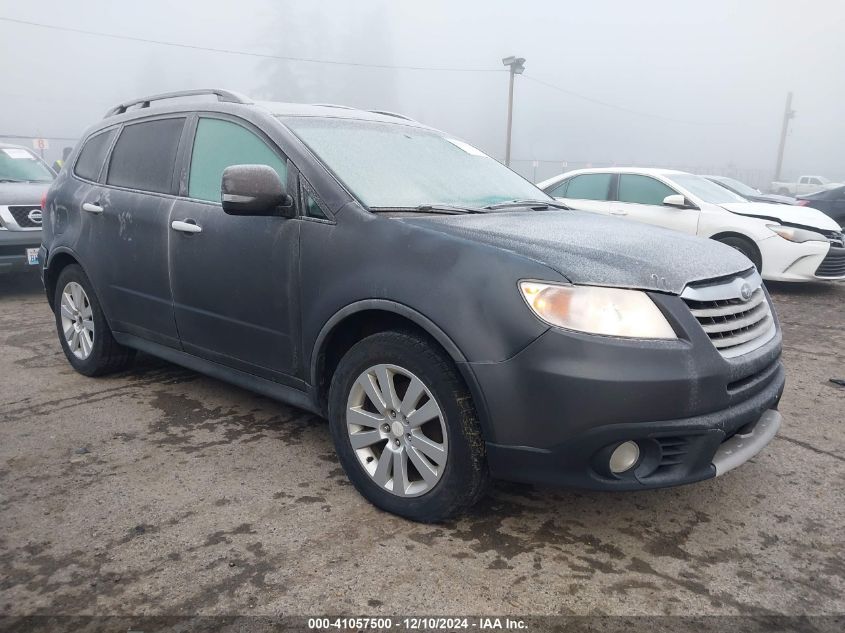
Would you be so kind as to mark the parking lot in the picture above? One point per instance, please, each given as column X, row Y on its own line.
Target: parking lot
column 161, row 491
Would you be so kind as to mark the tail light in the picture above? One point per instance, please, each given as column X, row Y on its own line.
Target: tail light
column 44, row 201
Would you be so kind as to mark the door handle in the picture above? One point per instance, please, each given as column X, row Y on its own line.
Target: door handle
column 90, row 207
column 186, row 226
column 618, row 212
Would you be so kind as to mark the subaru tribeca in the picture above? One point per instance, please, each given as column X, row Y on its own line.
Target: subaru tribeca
column 451, row 321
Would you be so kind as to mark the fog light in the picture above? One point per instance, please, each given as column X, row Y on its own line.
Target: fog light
column 624, row 457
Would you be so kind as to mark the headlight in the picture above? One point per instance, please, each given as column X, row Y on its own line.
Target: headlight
column 796, row 235
column 597, row 310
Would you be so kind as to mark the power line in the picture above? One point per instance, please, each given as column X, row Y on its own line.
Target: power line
column 228, row 51
column 613, row 105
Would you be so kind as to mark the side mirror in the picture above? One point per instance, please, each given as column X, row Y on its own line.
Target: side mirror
column 254, row 190
column 675, row 200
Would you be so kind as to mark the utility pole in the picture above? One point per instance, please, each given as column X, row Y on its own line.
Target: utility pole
column 788, row 113
column 517, row 67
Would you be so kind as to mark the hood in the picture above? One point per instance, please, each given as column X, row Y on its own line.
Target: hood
column 804, row 216
column 23, row 193
column 587, row 248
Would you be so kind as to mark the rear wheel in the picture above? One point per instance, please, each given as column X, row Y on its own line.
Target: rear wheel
column 85, row 336
column 405, row 429
column 746, row 247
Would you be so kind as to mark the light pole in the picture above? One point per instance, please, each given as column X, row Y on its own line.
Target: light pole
column 517, row 67
column 788, row 113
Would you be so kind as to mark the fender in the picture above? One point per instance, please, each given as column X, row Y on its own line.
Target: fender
column 388, row 306
column 423, row 322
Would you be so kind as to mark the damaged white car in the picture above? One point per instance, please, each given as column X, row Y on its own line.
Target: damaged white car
column 786, row 243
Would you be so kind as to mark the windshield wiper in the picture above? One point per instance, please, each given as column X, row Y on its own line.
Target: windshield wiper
column 535, row 204
column 451, row 209
column 11, row 180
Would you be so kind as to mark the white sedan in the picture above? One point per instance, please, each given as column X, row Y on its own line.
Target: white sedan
column 786, row 243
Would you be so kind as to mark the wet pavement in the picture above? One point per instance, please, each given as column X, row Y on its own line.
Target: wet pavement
column 161, row 491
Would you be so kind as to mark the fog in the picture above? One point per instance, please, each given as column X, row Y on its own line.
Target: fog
column 695, row 85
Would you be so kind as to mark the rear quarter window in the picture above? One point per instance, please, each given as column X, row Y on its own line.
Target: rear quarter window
column 93, row 155
column 144, row 156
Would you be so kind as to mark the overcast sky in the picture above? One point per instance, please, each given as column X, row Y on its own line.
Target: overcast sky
column 697, row 85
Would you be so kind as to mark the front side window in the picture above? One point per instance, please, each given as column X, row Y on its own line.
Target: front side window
column 220, row 144
column 389, row 165
column 643, row 189
column 589, row 187
column 18, row 164
column 145, row 155
column 93, row 155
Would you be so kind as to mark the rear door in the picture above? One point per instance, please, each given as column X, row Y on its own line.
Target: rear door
column 640, row 197
column 586, row 192
column 235, row 282
column 128, row 219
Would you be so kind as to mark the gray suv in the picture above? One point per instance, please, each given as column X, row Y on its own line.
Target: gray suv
column 451, row 321
column 24, row 179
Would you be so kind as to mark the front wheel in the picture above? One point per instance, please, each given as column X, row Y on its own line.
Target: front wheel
column 747, row 248
column 404, row 428
column 84, row 334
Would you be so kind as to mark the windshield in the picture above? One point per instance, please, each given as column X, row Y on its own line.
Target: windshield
column 705, row 189
column 739, row 187
column 398, row 166
column 20, row 165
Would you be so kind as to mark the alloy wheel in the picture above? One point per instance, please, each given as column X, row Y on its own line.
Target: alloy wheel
column 77, row 320
column 397, row 430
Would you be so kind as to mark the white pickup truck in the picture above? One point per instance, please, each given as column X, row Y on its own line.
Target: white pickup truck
column 805, row 184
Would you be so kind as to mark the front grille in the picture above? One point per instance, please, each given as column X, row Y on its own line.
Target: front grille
column 22, row 217
column 833, row 265
column 734, row 324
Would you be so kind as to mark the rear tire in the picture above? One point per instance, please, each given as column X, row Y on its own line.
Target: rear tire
column 746, row 247
column 390, row 382
column 84, row 334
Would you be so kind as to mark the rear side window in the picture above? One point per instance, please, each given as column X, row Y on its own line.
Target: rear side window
column 220, row 144
column 93, row 155
column 642, row 189
column 145, row 155
column 589, row 187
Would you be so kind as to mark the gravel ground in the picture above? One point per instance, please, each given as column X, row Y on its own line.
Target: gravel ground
column 161, row 491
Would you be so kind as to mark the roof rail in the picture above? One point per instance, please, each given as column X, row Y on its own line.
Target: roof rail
column 394, row 114
column 226, row 96
column 333, row 105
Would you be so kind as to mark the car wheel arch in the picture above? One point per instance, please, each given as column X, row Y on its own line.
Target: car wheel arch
column 749, row 241
column 58, row 260
column 358, row 320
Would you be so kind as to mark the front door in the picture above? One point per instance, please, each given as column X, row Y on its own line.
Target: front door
column 640, row 198
column 235, row 279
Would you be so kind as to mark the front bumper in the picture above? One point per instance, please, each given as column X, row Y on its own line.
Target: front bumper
column 807, row 261
column 558, row 409
column 13, row 245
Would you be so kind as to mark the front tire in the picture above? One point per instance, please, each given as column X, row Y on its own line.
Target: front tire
column 746, row 247
column 84, row 334
column 405, row 429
